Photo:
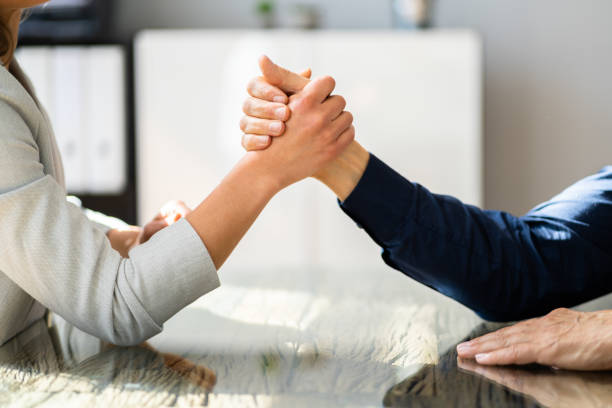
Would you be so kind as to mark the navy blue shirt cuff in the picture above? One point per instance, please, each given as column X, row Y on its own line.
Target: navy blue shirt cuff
column 378, row 202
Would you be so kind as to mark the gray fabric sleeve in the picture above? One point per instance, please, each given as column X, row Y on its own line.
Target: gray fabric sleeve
column 60, row 258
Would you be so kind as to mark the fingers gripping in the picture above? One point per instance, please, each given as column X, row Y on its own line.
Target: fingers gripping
column 280, row 77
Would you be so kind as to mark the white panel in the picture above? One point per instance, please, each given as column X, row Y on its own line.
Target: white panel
column 416, row 99
column 67, row 114
column 105, row 120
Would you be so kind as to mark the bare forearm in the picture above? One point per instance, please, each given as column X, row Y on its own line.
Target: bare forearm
column 223, row 218
column 343, row 174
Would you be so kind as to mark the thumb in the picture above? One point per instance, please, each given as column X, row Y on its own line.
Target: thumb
column 280, row 77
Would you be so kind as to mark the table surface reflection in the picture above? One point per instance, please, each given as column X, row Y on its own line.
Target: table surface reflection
column 289, row 338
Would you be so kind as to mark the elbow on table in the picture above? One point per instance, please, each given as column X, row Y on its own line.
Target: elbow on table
column 130, row 329
column 127, row 340
column 129, row 336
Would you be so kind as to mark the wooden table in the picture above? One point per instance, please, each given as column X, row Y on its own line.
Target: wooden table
column 287, row 338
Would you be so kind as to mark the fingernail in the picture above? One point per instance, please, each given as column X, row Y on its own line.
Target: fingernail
column 276, row 127
column 261, row 141
column 463, row 347
column 281, row 113
column 279, row 99
column 482, row 357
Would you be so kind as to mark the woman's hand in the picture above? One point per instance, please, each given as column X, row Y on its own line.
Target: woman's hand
column 317, row 132
column 564, row 339
column 265, row 109
column 170, row 213
column 123, row 240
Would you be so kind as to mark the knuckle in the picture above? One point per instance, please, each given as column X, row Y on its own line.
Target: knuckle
column 351, row 133
column 308, row 100
column 349, row 117
column 299, row 104
column 247, row 142
column 342, row 102
column 252, row 85
column 319, row 122
column 500, row 336
column 269, row 94
column 272, row 110
column 244, row 121
column 327, row 135
column 514, row 353
column 247, row 106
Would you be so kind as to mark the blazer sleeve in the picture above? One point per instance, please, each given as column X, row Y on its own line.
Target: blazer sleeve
column 502, row 266
column 63, row 260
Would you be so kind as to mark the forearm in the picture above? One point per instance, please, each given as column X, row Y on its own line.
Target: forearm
column 343, row 174
column 485, row 260
column 223, row 218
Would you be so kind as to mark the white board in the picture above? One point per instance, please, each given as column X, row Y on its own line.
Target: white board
column 416, row 98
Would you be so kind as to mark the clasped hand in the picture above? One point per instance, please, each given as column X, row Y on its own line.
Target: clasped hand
column 314, row 125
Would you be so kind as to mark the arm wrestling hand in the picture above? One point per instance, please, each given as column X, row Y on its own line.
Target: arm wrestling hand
column 267, row 94
column 317, row 132
column 564, row 339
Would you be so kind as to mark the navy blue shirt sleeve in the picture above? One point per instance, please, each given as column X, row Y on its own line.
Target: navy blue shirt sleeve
column 501, row 266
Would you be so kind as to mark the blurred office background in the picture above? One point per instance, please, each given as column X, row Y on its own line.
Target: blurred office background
column 547, row 92
column 547, row 86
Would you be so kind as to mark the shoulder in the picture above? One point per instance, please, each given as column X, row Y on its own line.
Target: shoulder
column 596, row 188
column 19, row 126
column 584, row 207
column 16, row 106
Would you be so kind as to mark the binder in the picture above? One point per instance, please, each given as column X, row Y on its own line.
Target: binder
column 83, row 91
column 105, row 120
column 67, row 114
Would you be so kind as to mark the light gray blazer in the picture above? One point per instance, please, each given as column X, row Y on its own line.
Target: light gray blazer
column 52, row 256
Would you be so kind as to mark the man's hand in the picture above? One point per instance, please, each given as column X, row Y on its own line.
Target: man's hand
column 264, row 118
column 564, row 339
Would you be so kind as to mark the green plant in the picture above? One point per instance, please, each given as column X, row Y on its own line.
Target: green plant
column 265, row 7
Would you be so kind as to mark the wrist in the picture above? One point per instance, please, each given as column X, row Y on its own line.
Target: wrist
column 343, row 174
column 260, row 174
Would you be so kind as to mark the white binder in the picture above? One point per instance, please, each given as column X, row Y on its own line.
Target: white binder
column 83, row 90
column 104, row 110
column 67, row 114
